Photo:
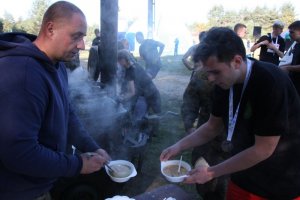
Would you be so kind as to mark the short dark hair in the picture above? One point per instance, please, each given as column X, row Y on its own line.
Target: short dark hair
column 126, row 55
column 60, row 10
column 220, row 42
column 295, row 25
column 238, row 26
column 96, row 31
column 278, row 24
column 202, row 35
column 139, row 34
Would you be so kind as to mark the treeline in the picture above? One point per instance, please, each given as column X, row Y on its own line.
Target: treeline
column 33, row 22
column 259, row 16
column 217, row 16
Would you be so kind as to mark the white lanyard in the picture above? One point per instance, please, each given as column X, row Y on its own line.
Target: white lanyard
column 232, row 118
column 272, row 39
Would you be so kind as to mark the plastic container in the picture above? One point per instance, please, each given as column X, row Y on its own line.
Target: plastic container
column 175, row 179
column 121, row 162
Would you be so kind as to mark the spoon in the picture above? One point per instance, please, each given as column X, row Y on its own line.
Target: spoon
column 179, row 166
column 109, row 168
column 106, row 163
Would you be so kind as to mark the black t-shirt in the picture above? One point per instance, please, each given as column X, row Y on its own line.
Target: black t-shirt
column 148, row 50
column 270, row 107
column 129, row 74
column 96, row 41
column 295, row 76
column 143, row 83
column 270, row 56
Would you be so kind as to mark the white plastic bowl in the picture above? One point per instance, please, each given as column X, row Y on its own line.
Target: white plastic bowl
column 121, row 162
column 176, row 179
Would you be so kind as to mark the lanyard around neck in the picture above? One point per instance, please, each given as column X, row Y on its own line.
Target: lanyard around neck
column 233, row 117
column 272, row 39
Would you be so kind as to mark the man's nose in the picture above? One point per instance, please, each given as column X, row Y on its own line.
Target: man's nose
column 81, row 44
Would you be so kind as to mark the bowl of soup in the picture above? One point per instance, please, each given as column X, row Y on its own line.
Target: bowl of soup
column 123, row 170
column 170, row 170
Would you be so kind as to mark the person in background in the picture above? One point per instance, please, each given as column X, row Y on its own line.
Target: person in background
column 195, row 111
column 97, row 40
column 259, row 107
column 127, row 94
column 94, row 64
column 140, row 86
column 187, row 57
column 37, row 121
column 241, row 30
column 1, row 26
column 272, row 45
column 176, row 43
column 125, row 44
column 196, row 108
column 150, row 50
column 294, row 68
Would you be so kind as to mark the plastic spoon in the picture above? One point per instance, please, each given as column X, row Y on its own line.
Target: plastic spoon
column 179, row 166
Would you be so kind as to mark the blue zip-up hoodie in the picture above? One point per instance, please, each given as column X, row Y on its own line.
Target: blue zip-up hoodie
column 36, row 121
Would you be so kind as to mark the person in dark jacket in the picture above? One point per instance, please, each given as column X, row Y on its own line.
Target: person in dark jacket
column 97, row 40
column 195, row 111
column 36, row 119
column 145, row 94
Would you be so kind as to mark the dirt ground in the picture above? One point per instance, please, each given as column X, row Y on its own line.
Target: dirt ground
column 171, row 82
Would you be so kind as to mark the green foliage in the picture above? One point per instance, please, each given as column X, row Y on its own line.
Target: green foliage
column 33, row 23
column 215, row 16
column 8, row 22
column 36, row 15
column 287, row 14
column 259, row 16
column 30, row 25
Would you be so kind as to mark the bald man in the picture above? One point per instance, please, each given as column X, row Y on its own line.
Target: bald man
column 36, row 119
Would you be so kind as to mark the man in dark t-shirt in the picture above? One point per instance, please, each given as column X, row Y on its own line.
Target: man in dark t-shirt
column 144, row 96
column 259, row 107
column 294, row 67
column 150, row 50
column 271, row 45
column 97, row 40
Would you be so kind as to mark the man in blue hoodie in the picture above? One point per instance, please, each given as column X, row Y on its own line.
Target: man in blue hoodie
column 36, row 119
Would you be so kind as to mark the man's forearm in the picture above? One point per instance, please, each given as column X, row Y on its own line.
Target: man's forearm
column 202, row 135
column 254, row 47
column 187, row 64
column 239, row 162
column 251, row 156
column 279, row 53
column 292, row 68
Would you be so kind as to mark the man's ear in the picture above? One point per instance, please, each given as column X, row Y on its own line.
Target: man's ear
column 49, row 29
column 237, row 61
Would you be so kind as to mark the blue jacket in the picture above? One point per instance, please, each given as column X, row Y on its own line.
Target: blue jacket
column 36, row 121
